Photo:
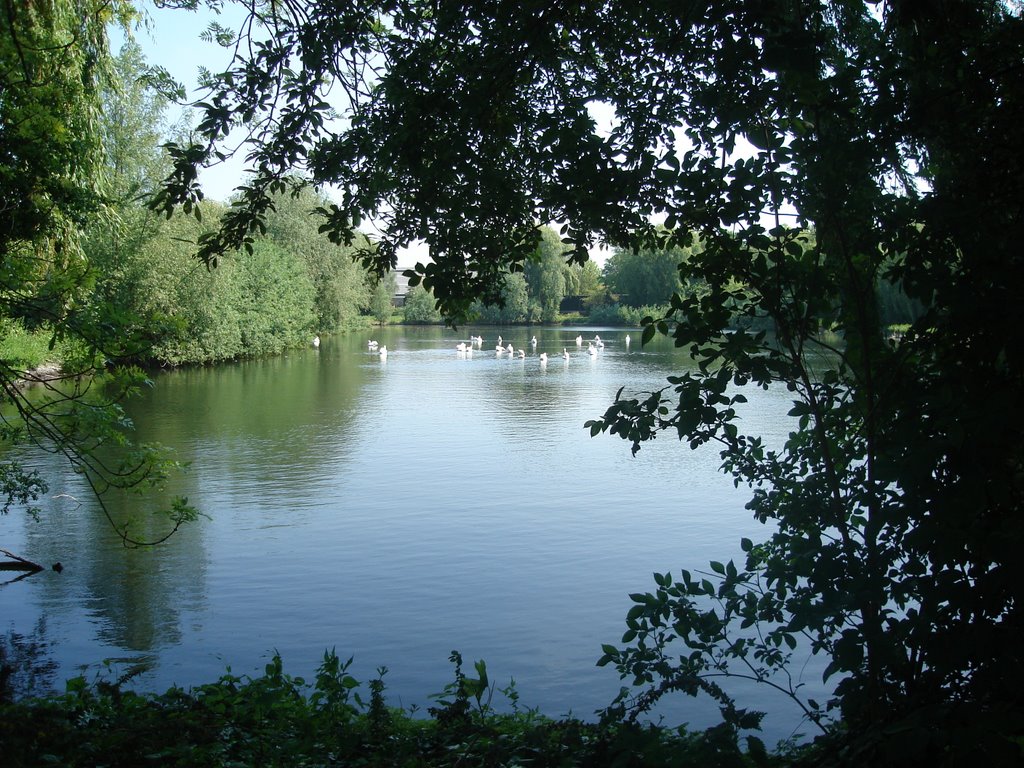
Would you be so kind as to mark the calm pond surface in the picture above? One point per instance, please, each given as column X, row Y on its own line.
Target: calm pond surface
column 395, row 511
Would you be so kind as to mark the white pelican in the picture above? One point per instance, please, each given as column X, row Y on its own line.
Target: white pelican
column 579, row 341
column 316, row 341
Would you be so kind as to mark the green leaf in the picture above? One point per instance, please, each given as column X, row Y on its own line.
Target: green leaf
column 636, row 612
column 757, row 752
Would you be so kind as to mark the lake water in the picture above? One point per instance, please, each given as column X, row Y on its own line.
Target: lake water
column 395, row 511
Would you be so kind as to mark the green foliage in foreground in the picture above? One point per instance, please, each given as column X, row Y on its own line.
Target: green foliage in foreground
column 281, row 720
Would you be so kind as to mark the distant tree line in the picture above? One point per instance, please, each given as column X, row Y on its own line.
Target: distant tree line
column 290, row 285
column 633, row 284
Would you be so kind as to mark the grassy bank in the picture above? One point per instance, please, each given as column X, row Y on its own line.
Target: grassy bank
column 27, row 350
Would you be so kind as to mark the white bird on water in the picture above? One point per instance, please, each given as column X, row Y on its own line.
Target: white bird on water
column 522, row 354
column 316, row 341
column 579, row 341
column 510, row 350
column 383, row 353
column 627, row 339
column 533, row 342
column 371, row 345
column 565, row 353
column 543, row 358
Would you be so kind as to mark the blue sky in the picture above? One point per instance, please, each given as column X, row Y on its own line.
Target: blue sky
column 172, row 41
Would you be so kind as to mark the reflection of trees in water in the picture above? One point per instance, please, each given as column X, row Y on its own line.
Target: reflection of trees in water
column 245, row 429
column 140, row 594
column 260, row 430
column 131, row 598
column 26, row 668
column 264, row 399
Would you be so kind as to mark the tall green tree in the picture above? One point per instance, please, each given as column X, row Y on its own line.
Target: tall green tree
column 420, row 306
column 198, row 303
column 890, row 129
column 512, row 305
column 272, row 297
column 644, row 277
column 115, row 242
column 340, row 284
column 258, row 303
column 585, row 280
column 545, row 273
column 382, row 298
column 54, row 65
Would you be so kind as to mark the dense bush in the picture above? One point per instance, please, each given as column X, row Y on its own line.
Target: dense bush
column 516, row 308
column 280, row 720
column 420, row 308
column 620, row 314
column 272, row 297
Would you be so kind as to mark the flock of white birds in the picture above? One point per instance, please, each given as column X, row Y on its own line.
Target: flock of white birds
column 466, row 348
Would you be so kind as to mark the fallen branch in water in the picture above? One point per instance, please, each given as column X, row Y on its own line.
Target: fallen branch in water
column 18, row 564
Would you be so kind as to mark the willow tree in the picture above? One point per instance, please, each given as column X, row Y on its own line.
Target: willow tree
column 545, row 272
column 54, row 66
column 816, row 148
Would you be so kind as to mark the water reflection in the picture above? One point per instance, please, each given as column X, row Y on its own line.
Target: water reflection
column 395, row 512
column 132, row 598
column 26, row 668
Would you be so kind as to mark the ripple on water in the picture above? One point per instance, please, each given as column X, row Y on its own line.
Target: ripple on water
column 399, row 510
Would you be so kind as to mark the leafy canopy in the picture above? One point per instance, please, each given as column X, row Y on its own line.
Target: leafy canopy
column 818, row 149
column 54, row 180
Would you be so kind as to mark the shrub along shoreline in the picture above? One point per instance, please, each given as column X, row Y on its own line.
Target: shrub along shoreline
column 280, row 720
